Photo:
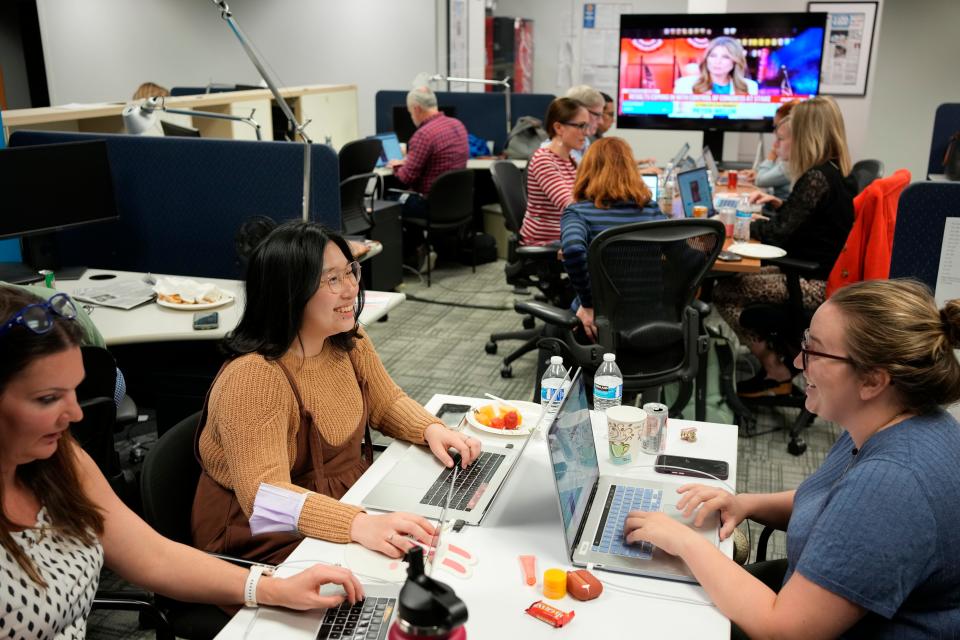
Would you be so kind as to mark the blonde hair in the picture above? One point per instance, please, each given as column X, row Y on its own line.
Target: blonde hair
column 608, row 173
column 150, row 90
column 895, row 326
column 704, row 83
column 818, row 136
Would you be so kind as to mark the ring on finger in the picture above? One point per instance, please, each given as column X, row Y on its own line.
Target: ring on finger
column 390, row 538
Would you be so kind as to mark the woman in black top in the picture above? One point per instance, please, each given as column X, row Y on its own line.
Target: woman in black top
column 812, row 224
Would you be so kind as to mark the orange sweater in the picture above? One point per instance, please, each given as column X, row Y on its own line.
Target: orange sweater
column 251, row 431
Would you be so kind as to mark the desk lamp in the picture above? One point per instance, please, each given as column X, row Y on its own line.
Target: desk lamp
column 505, row 83
column 138, row 118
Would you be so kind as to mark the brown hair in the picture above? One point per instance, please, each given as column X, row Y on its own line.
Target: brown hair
column 561, row 110
column 54, row 481
column 150, row 90
column 608, row 173
column 704, row 83
column 895, row 326
column 818, row 135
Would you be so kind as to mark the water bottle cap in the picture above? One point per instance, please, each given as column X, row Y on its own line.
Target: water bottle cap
column 556, row 359
column 609, row 357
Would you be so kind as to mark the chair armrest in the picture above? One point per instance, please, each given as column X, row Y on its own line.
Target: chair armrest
column 701, row 307
column 139, row 601
column 787, row 263
column 548, row 313
column 762, row 542
column 537, row 253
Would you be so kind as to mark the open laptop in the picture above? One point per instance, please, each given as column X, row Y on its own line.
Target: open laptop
column 758, row 157
column 653, row 183
column 680, row 155
column 711, row 165
column 594, row 507
column 369, row 618
column 694, row 188
column 390, row 148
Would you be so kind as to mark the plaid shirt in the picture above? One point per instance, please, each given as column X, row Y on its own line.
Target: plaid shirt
column 438, row 146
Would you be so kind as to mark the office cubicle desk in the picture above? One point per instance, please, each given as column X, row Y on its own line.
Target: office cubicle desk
column 480, row 164
column 525, row 520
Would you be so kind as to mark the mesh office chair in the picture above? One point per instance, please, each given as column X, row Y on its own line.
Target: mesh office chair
column 359, row 156
column 644, row 277
column 449, row 209
column 527, row 266
column 866, row 171
column 355, row 204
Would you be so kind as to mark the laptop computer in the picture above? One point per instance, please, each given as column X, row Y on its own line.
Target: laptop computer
column 653, row 183
column 369, row 618
column 758, row 158
column 680, row 155
column 694, row 188
column 593, row 507
column 711, row 165
column 390, row 148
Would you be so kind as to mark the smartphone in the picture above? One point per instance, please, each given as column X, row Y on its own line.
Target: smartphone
column 693, row 467
column 729, row 256
column 206, row 320
column 452, row 414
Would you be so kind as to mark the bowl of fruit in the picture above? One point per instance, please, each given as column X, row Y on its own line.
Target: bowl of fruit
column 516, row 418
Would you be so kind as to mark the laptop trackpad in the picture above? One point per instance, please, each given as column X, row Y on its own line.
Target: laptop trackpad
column 710, row 528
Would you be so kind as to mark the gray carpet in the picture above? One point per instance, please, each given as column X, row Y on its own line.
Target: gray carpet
column 430, row 346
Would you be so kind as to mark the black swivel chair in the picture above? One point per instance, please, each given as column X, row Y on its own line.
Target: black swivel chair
column 359, row 156
column 866, row 171
column 644, row 278
column 355, row 205
column 527, row 266
column 449, row 209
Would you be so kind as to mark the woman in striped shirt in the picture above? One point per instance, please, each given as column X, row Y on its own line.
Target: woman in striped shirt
column 552, row 172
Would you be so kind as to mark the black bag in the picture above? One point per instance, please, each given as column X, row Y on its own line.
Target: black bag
column 525, row 138
column 482, row 244
column 951, row 159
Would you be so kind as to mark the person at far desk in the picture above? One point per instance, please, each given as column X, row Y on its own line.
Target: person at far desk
column 60, row 521
column 552, row 171
column 647, row 166
column 812, row 224
column 872, row 535
column 286, row 415
column 772, row 172
column 608, row 193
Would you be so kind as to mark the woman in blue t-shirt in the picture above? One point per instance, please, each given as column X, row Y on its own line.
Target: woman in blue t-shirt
column 872, row 535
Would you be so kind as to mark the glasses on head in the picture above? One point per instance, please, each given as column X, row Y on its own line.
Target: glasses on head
column 335, row 280
column 39, row 317
column 579, row 125
column 806, row 353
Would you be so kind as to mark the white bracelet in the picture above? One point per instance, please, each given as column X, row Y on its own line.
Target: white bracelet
column 250, row 587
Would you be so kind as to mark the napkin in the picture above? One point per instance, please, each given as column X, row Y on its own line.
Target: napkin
column 188, row 291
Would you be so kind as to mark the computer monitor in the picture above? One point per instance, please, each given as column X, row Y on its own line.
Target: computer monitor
column 170, row 129
column 403, row 125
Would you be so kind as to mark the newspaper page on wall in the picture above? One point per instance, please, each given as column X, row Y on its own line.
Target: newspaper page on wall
column 846, row 46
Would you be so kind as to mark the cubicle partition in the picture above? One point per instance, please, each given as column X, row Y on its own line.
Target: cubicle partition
column 922, row 213
column 182, row 200
column 483, row 114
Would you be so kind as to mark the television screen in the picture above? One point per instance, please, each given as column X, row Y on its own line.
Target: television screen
column 716, row 71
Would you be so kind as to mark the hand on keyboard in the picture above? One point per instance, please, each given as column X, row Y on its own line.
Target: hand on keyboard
column 658, row 528
column 302, row 591
column 440, row 438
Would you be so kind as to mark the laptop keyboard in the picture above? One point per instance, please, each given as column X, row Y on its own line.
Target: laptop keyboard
column 471, row 483
column 365, row 620
column 620, row 502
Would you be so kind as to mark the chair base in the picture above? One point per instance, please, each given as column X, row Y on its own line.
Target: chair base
column 531, row 338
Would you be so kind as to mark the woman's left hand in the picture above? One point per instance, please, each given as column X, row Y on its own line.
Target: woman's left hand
column 658, row 528
column 440, row 438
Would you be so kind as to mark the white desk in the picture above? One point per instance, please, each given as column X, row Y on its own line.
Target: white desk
column 525, row 520
column 152, row 323
column 481, row 164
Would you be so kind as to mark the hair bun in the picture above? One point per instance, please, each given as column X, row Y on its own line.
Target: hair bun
column 950, row 319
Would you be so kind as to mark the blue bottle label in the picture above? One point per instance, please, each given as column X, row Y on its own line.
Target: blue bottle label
column 548, row 394
column 608, row 393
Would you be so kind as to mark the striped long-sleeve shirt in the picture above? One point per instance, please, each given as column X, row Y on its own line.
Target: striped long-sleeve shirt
column 581, row 223
column 550, row 181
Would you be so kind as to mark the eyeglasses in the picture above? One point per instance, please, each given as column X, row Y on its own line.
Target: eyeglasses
column 579, row 125
column 806, row 353
column 595, row 114
column 334, row 281
column 39, row 317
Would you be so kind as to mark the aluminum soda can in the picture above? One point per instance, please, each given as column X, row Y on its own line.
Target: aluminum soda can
column 653, row 439
column 49, row 279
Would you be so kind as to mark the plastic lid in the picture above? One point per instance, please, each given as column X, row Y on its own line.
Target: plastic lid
column 554, row 583
column 556, row 359
column 609, row 357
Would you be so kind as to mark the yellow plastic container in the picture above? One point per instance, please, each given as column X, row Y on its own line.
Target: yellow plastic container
column 554, row 583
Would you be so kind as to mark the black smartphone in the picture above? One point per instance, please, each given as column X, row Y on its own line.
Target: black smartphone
column 452, row 414
column 206, row 320
column 729, row 256
column 693, row 467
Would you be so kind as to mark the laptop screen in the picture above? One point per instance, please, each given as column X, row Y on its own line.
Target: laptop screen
column 653, row 183
column 710, row 163
column 681, row 154
column 694, row 190
column 573, row 457
column 391, row 148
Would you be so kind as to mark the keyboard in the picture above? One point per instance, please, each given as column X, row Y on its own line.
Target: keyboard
column 621, row 501
column 365, row 620
column 471, row 483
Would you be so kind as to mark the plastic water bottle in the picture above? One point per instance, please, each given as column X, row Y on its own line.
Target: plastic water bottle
column 607, row 384
column 665, row 197
column 741, row 225
column 551, row 390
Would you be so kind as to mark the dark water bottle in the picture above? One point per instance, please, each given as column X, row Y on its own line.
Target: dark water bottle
column 428, row 609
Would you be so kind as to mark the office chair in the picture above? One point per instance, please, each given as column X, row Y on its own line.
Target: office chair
column 946, row 121
column 355, row 218
column 923, row 208
column 527, row 266
column 359, row 156
column 644, row 277
column 866, row 171
column 449, row 208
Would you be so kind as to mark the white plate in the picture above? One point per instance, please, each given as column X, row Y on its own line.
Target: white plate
column 227, row 298
column 753, row 250
column 530, row 411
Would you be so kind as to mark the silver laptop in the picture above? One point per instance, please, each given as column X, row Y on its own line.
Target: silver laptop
column 711, row 164
column 681, row 154
column 369, row 618
column 594, row 507
column 758, row 158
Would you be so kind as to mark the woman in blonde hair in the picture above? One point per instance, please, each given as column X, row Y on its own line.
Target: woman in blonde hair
column 872, row 535
column 812, row 224
column 608, row 192
column 722, row 71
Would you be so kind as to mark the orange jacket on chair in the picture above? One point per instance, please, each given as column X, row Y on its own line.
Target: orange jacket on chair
column 866, row 254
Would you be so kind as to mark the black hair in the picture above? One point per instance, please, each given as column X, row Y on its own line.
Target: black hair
column 283, row 274
column 252, row 232
column 606, row 97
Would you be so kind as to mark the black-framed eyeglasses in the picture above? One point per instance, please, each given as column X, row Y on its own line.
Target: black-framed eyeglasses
column 806, row 353
column 39, row 317
column 334, row 281
column 579, row 125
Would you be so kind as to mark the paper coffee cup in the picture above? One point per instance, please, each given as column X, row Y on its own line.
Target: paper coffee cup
column 624, row 426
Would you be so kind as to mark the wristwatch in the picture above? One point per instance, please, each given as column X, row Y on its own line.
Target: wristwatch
column 250, row 588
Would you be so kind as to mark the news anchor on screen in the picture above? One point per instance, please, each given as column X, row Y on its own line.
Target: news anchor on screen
column 721, row 71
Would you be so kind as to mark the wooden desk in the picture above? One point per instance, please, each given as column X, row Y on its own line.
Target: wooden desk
column 744, row 265
column 525, row 519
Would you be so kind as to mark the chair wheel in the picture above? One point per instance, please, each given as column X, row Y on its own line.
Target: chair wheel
column 529, row 322
column 490, row 347
column 797, row 446
column 506, row 371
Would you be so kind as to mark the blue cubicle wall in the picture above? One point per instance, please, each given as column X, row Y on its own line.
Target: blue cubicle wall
column 181, row 200
column 9, row 249
column 483, row 114
column 918, row 239
column 946, row 122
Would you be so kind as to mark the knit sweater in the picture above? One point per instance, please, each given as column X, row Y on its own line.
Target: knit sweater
column 250, row 435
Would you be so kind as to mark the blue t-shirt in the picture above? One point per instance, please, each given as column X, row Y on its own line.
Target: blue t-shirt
column 881, row 528
column 723, row 89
